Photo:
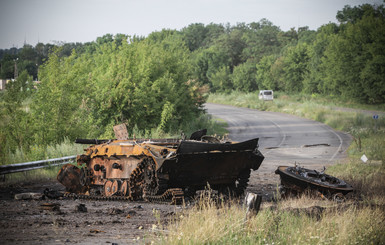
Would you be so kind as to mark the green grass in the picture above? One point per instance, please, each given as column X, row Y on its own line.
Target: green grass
column 367, row 179
column 39, row 152
column 46, row 173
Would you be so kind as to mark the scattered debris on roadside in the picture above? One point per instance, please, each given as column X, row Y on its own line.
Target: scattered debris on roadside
column 81, row 208
column 315, row 145
column 253, row 204
column 50, row 207
column 29, row 196
column 53, row 194
column 95, row 231
column 113, row 211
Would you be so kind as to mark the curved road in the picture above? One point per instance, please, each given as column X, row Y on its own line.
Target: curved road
column 283, row 139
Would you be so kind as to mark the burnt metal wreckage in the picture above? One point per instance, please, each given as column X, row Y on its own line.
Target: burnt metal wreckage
column 296, row 180
column 159, row 170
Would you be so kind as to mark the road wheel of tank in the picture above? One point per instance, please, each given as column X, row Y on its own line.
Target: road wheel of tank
column 124, row 189
column 85, row 178
column 116, row 184
column 111, row 187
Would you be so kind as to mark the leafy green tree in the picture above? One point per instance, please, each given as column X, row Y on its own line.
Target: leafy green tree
column 264, row 78
column 314, row 79
column 353, row 14
column 221, row 80
column 57, row 109
column 232, row 44
column 305, row 35
column 144, row 84
column 354, row 60
column 8, row 66
column 244, row 77
column 15, row 125
column 295, row 67
column 194, row 36
column 261, row 39
column 208, row 62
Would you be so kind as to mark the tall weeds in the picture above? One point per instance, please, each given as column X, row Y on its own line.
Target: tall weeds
column 210, row 222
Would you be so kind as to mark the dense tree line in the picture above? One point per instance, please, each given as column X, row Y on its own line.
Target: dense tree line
column 158, row 82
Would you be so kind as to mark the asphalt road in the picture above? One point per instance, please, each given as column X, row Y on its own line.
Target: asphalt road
column 283, row 139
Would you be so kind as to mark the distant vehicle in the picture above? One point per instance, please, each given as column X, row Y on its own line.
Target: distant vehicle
column 266, row 95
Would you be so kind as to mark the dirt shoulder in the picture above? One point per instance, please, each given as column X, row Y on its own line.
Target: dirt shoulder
column 104, row 222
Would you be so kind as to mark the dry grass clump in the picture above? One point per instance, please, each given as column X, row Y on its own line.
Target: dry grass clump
column 213, row 222
column 367, row 179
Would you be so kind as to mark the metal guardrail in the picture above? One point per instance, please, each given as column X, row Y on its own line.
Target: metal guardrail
column 26, row 166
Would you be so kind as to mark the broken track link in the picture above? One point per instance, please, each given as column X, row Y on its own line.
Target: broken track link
column 176, row 195
column 173, row 196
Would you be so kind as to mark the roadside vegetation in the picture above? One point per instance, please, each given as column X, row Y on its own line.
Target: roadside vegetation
column 286, row 222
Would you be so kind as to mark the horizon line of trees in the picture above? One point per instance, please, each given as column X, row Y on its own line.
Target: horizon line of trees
column 160, row 81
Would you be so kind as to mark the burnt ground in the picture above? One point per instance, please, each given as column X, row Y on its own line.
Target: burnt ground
column 105, row 222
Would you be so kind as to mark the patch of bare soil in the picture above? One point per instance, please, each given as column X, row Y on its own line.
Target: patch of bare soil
column 69, row 221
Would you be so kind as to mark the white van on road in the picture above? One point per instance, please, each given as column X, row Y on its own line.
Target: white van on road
column 266, row 95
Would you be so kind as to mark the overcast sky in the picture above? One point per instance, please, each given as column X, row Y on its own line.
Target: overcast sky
column 48, row 21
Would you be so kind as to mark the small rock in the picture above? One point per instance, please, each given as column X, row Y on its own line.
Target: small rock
column 52, row 194
column 113, row 211
column 81, row 208
column 138, row 207
column 29, row 196
column 96, row 231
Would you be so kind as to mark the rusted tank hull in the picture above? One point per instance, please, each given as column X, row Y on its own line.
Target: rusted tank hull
column 144, row 168
column 301, row 179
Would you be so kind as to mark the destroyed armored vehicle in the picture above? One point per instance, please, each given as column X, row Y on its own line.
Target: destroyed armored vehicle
column 296, row 180
column 157, row 169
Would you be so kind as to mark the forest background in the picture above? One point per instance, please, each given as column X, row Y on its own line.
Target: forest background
column 158, row 84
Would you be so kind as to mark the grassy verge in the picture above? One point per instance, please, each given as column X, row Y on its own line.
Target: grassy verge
column 39, row 152
column 210, row 223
